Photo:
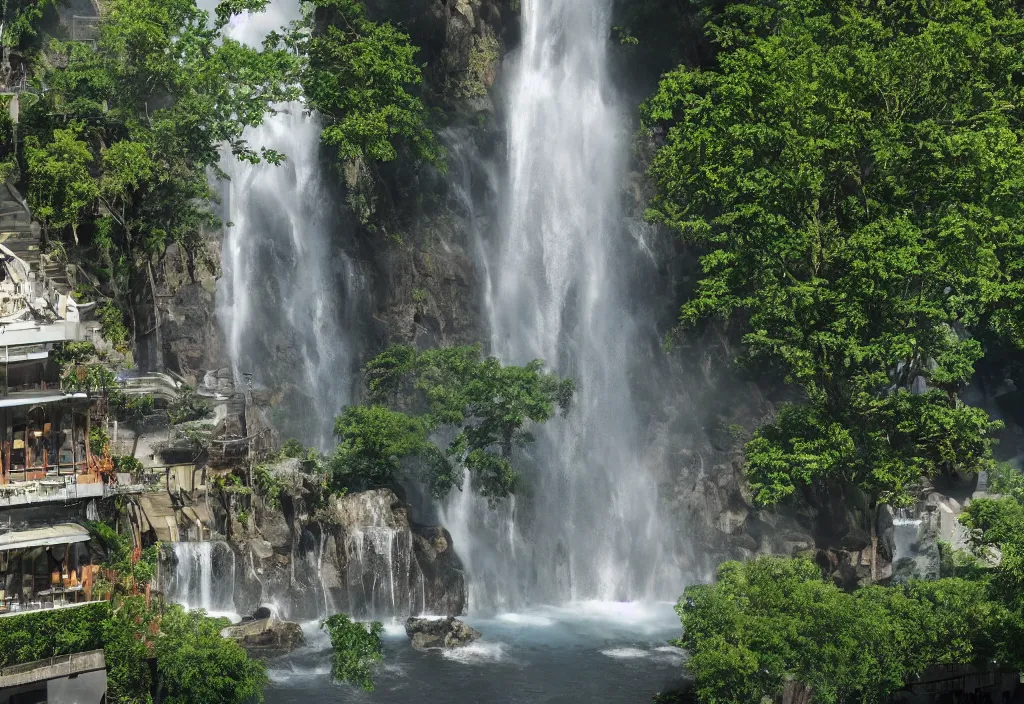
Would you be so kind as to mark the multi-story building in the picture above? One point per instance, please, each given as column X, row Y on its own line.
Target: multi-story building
column 50, row 480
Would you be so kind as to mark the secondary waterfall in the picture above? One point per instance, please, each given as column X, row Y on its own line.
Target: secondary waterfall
column 905, row 534
column 203, row 577
column 558, row 267
column 286, row 291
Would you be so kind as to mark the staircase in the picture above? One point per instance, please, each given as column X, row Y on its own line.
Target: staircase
column 18, row 235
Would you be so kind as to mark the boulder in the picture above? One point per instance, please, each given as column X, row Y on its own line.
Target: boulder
column 439, row 633
column 266, row 637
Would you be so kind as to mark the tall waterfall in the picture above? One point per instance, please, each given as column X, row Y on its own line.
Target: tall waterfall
column 558, row 265
column 286, row 291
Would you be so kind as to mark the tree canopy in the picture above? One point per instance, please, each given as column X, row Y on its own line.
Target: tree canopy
column 447, row 409
column 117, row 149
column 851, row 171
column 361, row 77
column 774, row 622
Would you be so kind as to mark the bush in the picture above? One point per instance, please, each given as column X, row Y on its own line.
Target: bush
column 356, row 647
column 196, row 664
column 112, row 326
column 43, row 634
column 127, row 464
column 99, row 439
column 188, row 406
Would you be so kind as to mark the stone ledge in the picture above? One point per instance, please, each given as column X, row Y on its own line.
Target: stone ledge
column 51, row 668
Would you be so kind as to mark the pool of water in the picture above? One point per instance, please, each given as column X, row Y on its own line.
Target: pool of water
column 583, row 652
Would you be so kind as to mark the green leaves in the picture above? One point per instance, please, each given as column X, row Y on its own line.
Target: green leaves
column 61, row 186
column 850, row 173
column 480, row 407
column 195, row 663
column 44, row 634
column 356, row 647
column 360, row 75
column 774, row 620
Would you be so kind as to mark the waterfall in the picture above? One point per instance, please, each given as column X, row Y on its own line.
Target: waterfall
column 905, row 529
column 287, row 288
column 379, row 560
column 559, row 265
column 203, row 577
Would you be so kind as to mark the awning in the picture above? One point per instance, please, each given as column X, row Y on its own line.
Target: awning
column 40, row 398
column 60, row 534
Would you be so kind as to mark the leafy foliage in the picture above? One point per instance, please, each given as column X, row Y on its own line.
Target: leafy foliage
column 194, row 663
column 22, row 20
column 188, row 406
column 772, row 621
column 43, row 634
column 485, row 406
column 127, row 646
column 850, row 171
column 119, row 145
column 356, row 647
column 132, row 574
column 359, row 75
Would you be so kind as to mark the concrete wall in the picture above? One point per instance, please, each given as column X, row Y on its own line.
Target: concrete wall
column 80, row 678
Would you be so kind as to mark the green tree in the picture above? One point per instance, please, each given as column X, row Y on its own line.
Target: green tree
column 125, row 133
column 999, row 523
column 195, row 664
column 356, row 647
column 850, row 172
column 419, row 398
column 21, row 20
column 360, row 76
column 774, row 623
column 61, row 186
column 127, row 647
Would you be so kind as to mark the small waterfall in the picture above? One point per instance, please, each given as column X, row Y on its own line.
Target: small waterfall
column 905, row 529
column 379, row 560
column 329, row 608
column 203, row 577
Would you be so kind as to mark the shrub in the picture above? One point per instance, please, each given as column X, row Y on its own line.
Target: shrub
column 43, row 634
column 356, row 647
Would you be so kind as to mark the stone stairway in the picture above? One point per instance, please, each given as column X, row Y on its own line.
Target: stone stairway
column 18, row 234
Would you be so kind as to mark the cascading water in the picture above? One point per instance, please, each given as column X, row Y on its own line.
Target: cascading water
column 286, row 291
column 905, row 530
column 203, row 577
column 558, row 266
column 379, row 579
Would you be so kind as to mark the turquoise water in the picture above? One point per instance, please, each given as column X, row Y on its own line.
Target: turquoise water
column 584, row 652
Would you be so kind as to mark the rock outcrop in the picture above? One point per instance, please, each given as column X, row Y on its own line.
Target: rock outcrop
column 359, row 554
column 449, row 632
column 266, row 637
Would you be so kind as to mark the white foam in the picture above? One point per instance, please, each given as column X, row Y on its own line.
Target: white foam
column 476, row 653
column 625, row 653
column 526, row 619
column 633, row 616
column 284, row 674
column 670, row 654
column 394, row 629
column 229, row 615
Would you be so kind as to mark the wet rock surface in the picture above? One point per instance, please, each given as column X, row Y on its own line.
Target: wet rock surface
column 448, row 632
column 266, row 637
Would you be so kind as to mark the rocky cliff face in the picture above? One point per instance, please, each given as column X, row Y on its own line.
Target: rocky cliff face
column 360, row 554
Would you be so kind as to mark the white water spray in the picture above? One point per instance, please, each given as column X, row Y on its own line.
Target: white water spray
column 286, row 290
column 591, row 526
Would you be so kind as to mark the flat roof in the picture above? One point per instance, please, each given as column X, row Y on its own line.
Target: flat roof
column 60, row 534
column 42, row 397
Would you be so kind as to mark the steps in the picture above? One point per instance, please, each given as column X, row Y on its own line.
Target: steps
column 19, row 236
